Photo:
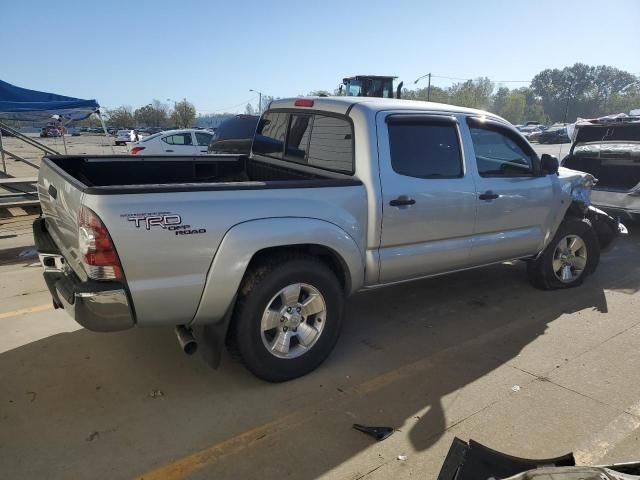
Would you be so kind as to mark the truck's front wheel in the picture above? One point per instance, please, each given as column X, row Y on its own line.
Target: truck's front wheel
column 287, row 318
column 573, row 254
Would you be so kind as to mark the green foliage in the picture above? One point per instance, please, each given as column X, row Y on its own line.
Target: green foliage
column 584, row 91
column 121, row 117
column 184, row 113
column 578, row 91
column 155, row 114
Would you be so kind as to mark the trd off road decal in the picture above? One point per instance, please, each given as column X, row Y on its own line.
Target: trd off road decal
column 162, row 220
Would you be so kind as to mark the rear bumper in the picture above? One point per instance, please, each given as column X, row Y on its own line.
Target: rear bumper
column 622, row 204
column 97, row 306
column 607, row 228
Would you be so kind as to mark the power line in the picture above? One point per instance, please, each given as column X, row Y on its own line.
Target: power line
column 226, row 109
column 471, row 79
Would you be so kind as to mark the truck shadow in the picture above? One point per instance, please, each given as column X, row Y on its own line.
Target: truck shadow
column 405, row 354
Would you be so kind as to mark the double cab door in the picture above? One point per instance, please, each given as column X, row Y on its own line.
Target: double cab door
column 457, row 192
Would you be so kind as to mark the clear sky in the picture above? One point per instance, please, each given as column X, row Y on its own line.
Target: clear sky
column 213, row 52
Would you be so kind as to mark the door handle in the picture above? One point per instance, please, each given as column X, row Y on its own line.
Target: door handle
column 402, row 200
column 488, row 195
column 168, row 150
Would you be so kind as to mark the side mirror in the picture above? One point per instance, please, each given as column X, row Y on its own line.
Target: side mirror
column 549, row 164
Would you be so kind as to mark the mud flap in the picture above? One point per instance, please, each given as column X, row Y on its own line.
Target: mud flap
column 211, row 338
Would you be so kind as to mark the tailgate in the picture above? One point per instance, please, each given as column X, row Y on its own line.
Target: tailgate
column 60, row 200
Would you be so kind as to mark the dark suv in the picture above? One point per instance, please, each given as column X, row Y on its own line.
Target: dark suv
column 235, row 135
column 554, row 135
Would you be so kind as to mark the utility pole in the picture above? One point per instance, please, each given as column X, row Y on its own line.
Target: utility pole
column 566, row 106
column 259, row 99
column 428, row 85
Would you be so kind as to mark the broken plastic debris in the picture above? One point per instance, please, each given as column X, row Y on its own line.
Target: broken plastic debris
column 29, row 252
column 402, row 458
column 156, row 394
column 379, row 433
column 516, row 388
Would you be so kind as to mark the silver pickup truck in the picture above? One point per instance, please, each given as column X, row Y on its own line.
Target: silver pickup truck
column 338, row 195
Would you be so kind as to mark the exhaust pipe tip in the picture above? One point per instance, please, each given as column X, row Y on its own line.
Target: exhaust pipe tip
column 186, row 340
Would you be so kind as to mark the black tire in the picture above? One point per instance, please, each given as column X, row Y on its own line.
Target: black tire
column 540, row 271
column 257, row 290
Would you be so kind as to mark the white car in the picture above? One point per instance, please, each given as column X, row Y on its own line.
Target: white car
column 174, row 142
column 125, row 136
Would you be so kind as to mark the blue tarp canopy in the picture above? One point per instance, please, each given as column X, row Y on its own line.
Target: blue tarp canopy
column 23, row 104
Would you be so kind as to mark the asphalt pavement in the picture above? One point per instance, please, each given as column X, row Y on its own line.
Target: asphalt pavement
column 478, row 354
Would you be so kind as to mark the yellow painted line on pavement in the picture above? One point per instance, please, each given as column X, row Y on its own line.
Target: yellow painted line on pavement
column 183, row 467
column 210, row 455
column 24, row 311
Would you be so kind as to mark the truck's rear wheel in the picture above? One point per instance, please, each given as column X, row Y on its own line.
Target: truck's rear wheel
column 287, row 318
column 571, row 256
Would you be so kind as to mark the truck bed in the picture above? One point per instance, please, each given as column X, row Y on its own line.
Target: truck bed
column 120, row 174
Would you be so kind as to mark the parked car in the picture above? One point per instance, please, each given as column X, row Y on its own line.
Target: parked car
column 554, row 135
column 50, row 131
column 126, row 136
column 527, row 131
column 235, row 135
column 339, row 195
column 184, row 142
column 535, row 135
column 610, row 151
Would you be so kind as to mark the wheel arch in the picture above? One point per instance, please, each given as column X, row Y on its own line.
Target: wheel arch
column 247, row 243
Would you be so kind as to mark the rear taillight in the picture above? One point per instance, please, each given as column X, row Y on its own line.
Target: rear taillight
column 135, row 150
column 98, row 253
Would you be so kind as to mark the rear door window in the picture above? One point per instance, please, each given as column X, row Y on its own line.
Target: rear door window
column 178, row 139
column 425, row 149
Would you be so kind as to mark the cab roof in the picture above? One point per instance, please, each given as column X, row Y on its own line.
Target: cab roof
column 343, row 104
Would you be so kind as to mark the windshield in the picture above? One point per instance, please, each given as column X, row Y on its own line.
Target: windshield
column 370, row 87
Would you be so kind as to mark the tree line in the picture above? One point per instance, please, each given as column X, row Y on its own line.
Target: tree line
column 154, row 114
column 554, row 95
